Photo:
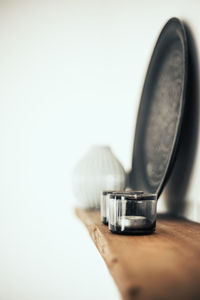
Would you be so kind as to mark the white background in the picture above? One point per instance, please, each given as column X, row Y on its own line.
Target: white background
column 71, row 74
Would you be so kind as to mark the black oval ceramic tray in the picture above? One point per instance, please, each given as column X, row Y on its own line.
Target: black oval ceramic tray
column 161, row 110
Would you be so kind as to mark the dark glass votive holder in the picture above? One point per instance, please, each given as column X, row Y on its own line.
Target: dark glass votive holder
column 132, row 213
column 105, row 202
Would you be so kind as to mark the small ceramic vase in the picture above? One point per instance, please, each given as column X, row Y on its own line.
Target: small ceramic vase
column 99, row 170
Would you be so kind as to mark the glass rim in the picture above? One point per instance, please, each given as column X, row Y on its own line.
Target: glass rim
column 134, row 197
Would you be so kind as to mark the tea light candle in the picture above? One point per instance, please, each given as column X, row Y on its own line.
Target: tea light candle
column 133, row 221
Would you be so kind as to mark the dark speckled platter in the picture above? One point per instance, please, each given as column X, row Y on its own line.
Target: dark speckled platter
column 161, row 110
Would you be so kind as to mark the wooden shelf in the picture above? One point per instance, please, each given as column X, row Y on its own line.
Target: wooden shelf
column 164, row 265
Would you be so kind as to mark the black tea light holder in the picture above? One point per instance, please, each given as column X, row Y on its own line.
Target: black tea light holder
column 132, row 213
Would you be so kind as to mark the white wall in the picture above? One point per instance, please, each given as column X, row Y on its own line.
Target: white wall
column 71, row 74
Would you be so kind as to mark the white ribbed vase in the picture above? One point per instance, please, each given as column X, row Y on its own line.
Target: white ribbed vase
column 99, row 170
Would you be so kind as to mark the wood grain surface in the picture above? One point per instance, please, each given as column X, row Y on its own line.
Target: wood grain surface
column 164, row 265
